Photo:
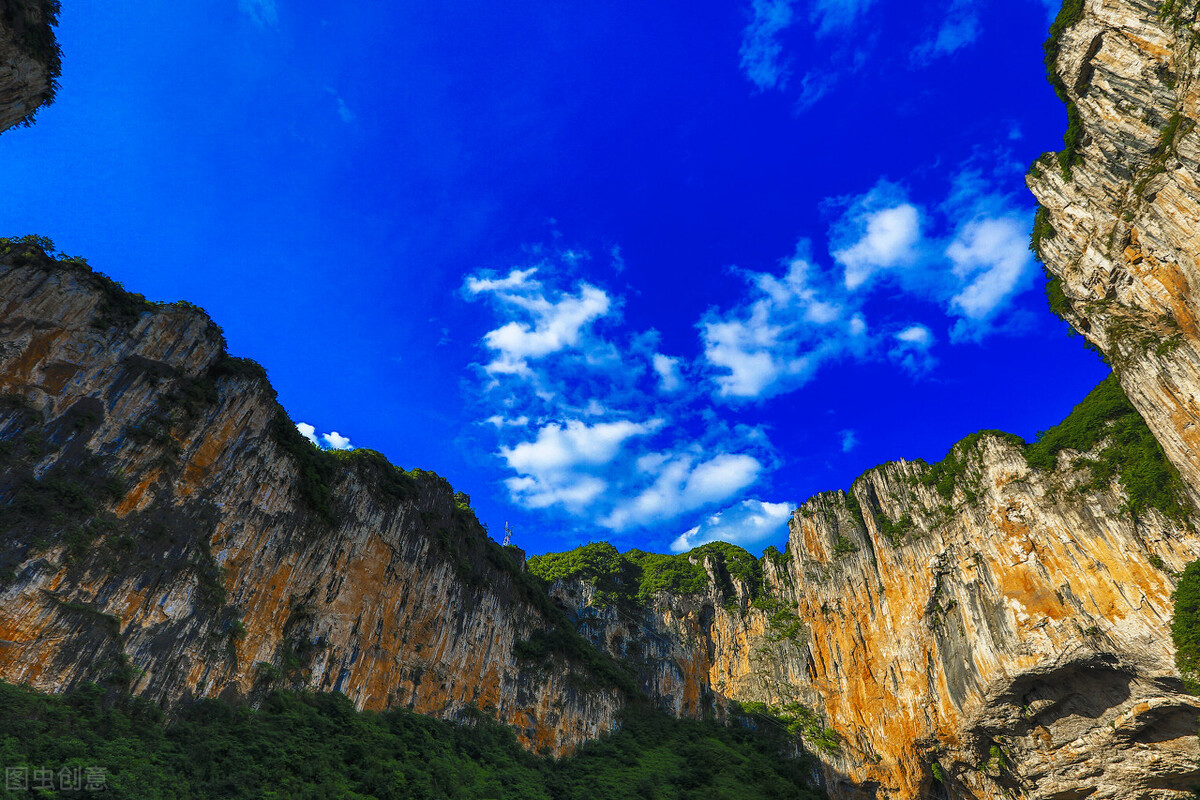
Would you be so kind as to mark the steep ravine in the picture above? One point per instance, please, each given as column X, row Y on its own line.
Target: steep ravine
column 1006, row 623
column 993, row 626
column 166, row 527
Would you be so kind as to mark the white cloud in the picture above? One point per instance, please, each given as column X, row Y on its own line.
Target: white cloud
column 888, row 237
column 911, row 350
column 503, row 422
column 262, row 12
column 684, row 485
column 548, row 323
column 992, row 256
column 558, row 447
column 308, row 432
column 775, row 342
column 516, row 279
column 761, row 50
column 667, row 368
column 916, row 335
column 849, row 440
column 335, row 441
column 749, row 524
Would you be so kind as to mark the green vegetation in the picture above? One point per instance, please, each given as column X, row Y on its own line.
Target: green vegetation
column 1068, row 15
column 797, row 720
column 950, row 473
column 634, row 577
column 1185, row 627
column 62, row 504
column 782, row 622
column 304, row 747
column 1130, row 452
column 32, row 22
column 843, row 546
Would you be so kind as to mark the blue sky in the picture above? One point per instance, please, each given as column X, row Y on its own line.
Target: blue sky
column 650, row 274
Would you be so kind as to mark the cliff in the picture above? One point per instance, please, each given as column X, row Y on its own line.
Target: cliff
column 166, row 527
column 994, row 625
column 29, row 59
column 1121, row 204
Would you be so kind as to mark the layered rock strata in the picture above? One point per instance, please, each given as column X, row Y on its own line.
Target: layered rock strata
column 1121, row 220
column 166, row 529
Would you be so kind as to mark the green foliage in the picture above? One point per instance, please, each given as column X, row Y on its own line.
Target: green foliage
column 315, row 468
column 1056, row 298
column 1130, row 452
column 782, row 622
column 597, row 670
column 951, row 472
column 635, row 576
column 66, row 503
column 306, row 746
column 855, row 509
column 797, row 720
column 938, row 774
column 32, row 23
column 895, row 531
column 1185, row 627
column 1068, row 15
column 843, row 547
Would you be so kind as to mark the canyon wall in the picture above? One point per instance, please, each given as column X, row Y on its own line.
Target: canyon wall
column 1120, row 227
column 1000, row 632
column 29, row 59
column 167, row 528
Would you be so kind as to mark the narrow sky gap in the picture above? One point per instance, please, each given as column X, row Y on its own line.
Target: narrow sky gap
column 646, row 275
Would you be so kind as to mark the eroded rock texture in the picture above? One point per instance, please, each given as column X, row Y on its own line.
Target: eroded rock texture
column 29, row 61
column 1011, row 626
column 162, row 532
column 1122, row 206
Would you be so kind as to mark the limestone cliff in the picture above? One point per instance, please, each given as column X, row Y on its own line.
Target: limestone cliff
column 29, row 59
column 981, row 628
column 1121, row 203
column 166, row 527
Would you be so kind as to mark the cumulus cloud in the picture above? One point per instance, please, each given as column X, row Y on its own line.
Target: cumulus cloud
column 332, row 440
column 308, row 432
column 667, row 368
column 563, row 447
column 781, row 334
column 263, row 13
column 992, row 256
column 559, row 466
column 911, row 349
column 761, row 51
column 335, row 441
column 683, row 484
column 547, row 322
column 849, row 440
column 879, row 230
column 749, row 524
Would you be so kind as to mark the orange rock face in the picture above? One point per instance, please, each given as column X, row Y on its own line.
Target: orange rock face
column 212, row 575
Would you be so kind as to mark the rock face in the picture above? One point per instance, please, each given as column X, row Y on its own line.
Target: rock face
column 1119, row 232
column 1011, row 627
column 166, row 529
column 29, row 60
column 982, row 628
